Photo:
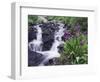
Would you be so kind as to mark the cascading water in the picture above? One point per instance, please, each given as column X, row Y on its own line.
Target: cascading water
column 36, row 45
column 57, row 38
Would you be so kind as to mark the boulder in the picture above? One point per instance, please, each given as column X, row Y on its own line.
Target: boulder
column 34, row 58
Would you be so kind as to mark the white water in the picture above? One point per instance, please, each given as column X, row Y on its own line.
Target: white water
column 36, row 45
column 53, row 52
column 57, row 38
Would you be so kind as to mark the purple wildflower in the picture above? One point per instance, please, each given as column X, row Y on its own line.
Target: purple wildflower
column 77, row 28
column 82, row 42
column 67, row 35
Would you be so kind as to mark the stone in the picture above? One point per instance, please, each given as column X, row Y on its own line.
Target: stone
column 34, row 58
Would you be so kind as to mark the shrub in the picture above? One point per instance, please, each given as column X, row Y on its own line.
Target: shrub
column 75, row 50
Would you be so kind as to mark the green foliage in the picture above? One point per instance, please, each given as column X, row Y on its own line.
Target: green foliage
column 82, row 21
column 76, row 51
column 72, row 21
column 32, row 20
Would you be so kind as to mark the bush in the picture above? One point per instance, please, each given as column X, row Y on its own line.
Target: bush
column 75, row 50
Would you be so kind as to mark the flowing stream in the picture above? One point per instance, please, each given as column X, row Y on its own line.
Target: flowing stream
column 36, row 45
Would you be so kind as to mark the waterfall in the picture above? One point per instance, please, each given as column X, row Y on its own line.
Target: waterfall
column 53, row 52
column 36, row 45
column 57, row 38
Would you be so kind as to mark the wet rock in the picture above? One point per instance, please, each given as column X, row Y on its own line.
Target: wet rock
column 32, row 34
column 53, row 61
column 48, row 35
column 47, row 45
column 34, row 58
column 60, row 48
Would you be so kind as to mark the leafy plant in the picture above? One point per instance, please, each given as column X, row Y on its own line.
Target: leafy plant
column 75, row 50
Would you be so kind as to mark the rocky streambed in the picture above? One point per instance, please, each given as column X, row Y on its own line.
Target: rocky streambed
column 45, row 41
